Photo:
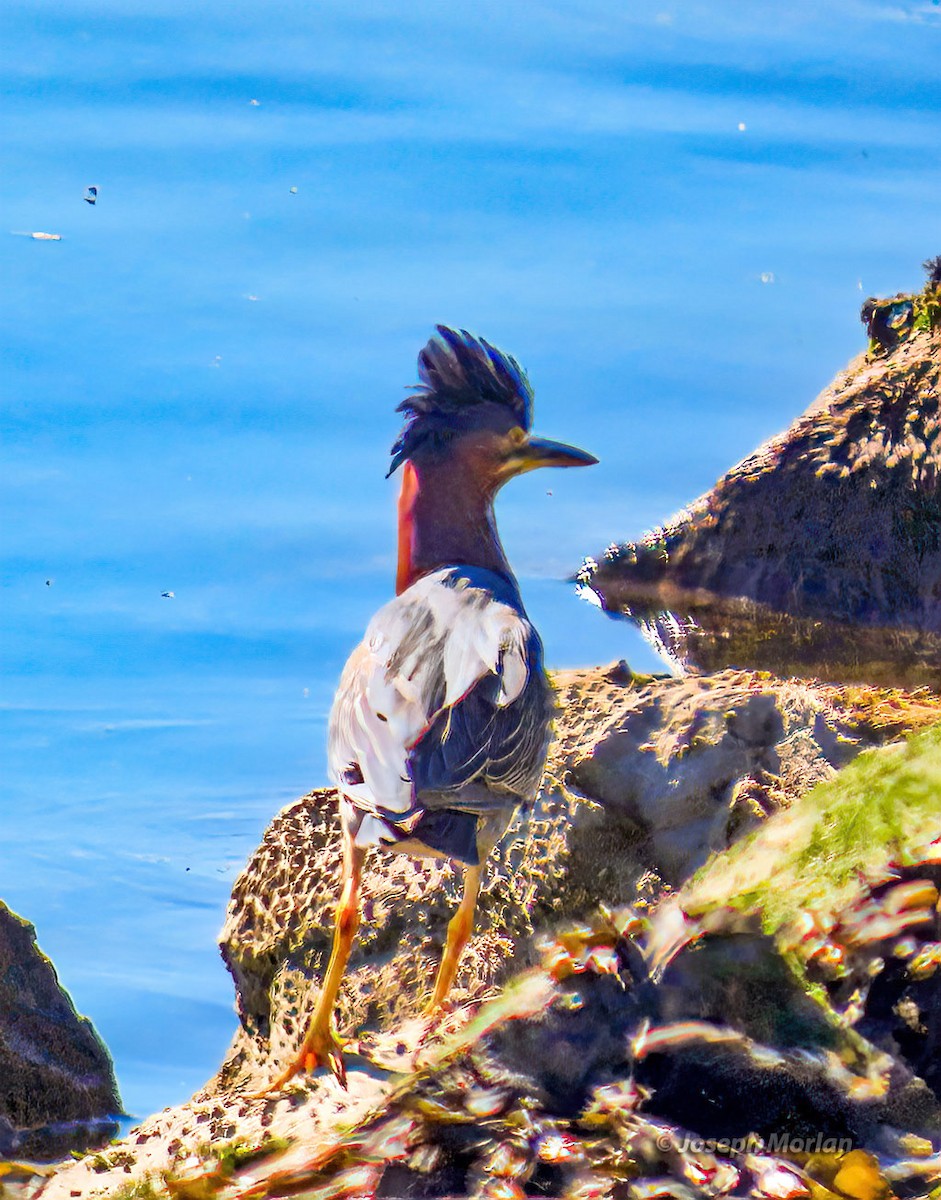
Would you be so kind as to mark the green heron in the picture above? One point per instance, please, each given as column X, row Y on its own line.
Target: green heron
column 441, row 722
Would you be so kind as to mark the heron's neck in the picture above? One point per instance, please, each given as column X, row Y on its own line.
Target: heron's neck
column 445, row 518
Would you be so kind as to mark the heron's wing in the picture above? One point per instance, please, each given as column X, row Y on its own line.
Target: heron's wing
column 430, row 700
column 485, row 738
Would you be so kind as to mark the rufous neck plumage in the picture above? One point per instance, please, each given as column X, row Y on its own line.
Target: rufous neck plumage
column 445, row 518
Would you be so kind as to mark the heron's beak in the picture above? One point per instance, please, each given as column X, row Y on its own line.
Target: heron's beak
column 540, row 452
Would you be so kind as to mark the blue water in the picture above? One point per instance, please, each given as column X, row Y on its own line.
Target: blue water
column 669, row 212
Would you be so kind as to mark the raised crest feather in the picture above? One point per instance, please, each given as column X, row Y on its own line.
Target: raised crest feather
column 458, row 371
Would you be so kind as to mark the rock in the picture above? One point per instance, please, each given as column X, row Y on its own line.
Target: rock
column 602, row 1065
column 279, row 925
column 57, row 1085
column 676, row 768
column 647, row 775
column 749, row 1003
column 890, row 322
column 837, row 520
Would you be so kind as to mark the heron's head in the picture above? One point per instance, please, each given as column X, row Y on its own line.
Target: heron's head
column 473, row 409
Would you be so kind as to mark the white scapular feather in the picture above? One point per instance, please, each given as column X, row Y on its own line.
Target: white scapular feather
column 422, row 653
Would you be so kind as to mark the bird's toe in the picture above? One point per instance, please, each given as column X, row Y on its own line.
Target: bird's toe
column 321, row 1048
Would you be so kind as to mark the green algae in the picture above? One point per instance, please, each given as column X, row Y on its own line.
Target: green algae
column 927, row 308
column 140, row 1189
column 241, row 1151
column 901, row 316
column 882, row 808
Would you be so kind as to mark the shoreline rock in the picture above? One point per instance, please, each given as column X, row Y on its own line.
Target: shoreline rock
column 732, row 1042
column 836, row 520
column 739, row 740
column 647, row 777
column 57, row 1085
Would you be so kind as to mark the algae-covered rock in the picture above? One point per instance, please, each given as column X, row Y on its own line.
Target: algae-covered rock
column 836, row 520
column 646, row 775
column 891, row 322
column 879, row 815
column 676, row 768
column 766, row 1029
column 57, row 1086
column 666, row 1052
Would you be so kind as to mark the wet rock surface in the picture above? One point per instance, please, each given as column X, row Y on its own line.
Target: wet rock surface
column 57, row 1086
column 729, row 631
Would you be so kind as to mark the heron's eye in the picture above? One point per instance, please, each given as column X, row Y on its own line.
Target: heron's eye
column 517, row 436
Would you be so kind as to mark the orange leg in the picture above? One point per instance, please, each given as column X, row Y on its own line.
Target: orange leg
column 460, row 928
column 321, row 1046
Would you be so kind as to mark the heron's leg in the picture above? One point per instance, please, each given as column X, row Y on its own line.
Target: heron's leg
column 321, row 1046
column 460, row 928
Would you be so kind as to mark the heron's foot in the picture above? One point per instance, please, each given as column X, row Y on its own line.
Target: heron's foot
column 438, row 1008
column 435, row 1016
column 321, row 1048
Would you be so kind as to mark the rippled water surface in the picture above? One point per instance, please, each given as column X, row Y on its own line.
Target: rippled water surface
column 670, row 215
